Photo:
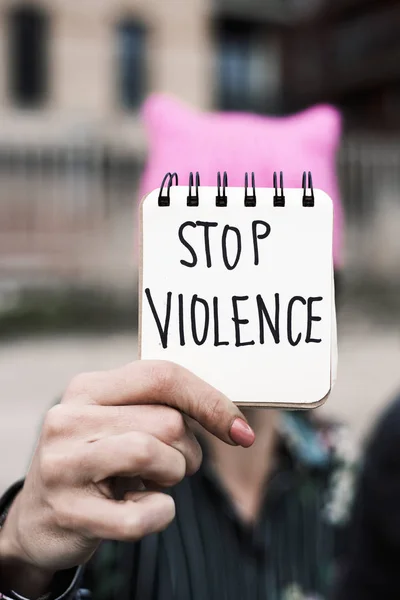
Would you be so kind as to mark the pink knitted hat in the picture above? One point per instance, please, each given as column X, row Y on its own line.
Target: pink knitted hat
column 182, row 140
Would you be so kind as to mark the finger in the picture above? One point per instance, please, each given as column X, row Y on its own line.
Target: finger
column 134, row 454
column 160, row 382
column 131, row 520
column 134, row 496
column 92, row 422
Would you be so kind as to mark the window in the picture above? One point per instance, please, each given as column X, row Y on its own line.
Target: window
column 28, row 55
column 248, row 68
column 131, row 64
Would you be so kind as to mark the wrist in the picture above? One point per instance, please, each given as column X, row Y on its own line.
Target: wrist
column 17, row 572
column 21, row 577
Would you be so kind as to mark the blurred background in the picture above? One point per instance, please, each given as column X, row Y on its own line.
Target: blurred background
column 73, row 76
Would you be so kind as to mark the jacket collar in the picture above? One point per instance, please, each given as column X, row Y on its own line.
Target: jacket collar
column 302, row 438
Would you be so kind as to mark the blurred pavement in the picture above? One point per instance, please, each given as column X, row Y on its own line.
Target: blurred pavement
column 35, row 371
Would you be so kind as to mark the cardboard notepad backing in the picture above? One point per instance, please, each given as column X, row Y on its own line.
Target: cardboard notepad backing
column 242, row 296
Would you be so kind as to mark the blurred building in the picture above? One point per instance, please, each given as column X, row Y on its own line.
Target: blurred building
column 348, row 53
column 342, row 52
column 71, row 70
column 73, row 76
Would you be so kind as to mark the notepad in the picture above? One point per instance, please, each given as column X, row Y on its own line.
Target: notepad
column 236, row 285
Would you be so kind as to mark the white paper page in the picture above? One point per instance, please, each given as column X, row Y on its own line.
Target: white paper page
column 334, row 351
column 294, row 246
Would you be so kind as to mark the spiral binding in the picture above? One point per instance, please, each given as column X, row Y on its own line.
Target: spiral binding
column 193, row 199
column 279, row 199
column 249, row 199
column 308, row 199
column 221, row 199
column 166, row 200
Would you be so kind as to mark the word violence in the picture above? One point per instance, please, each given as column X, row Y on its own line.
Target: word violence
column 201, row 320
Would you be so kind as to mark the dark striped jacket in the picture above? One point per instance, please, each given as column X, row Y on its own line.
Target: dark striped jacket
column 292, row 552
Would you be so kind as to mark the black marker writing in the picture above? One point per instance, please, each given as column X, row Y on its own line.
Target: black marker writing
column 238, row 321
column 311, row 318
column 181, row 320
column 199, row 341
column 290, row 320
column 217, row 341
column 187, row 245
column 259, row 231
column 260, row 236
column 228, row 228
column 163, row 331
column 199, row 320
column 207, row 225
column 263, row 313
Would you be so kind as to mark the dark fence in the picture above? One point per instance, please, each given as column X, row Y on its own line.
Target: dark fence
column 63, row 209
column 369, row 170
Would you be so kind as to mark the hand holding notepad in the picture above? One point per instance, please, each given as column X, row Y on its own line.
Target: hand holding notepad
column 237, row 286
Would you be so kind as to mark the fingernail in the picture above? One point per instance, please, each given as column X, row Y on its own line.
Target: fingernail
column 242, row 433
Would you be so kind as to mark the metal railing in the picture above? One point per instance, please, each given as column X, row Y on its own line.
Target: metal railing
column 369, row 171
column 60, row 208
